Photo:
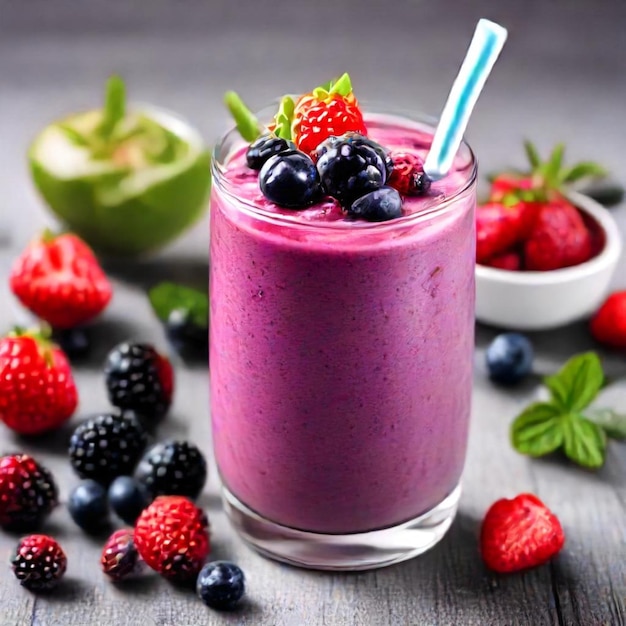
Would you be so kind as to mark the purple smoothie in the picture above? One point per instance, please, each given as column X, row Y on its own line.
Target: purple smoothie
column 341, row 351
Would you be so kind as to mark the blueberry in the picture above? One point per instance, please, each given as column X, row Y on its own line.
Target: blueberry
column 75, row 342
column 220, row 585
column 186, row 337
column 127, row 498
column 350, row 168
column 509, row 358
column 88, row 506
column 263, row 148
column 290, row 180
column 377, row 206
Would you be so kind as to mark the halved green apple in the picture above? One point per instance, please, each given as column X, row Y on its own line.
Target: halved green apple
column 126, row 182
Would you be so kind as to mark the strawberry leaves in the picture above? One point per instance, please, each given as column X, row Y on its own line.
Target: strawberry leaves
column 564, row 422
column 284, row 117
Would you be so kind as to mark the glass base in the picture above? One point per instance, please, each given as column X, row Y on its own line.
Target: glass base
column 351, row 552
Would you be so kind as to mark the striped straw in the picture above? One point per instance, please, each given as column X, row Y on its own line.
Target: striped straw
column 482, row 53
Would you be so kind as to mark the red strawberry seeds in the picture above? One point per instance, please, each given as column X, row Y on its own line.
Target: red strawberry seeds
column 518, row 534
column 172, row 537
column 37, row 390
column 60, row 281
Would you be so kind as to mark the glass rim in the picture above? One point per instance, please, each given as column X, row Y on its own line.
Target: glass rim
column 293, row 221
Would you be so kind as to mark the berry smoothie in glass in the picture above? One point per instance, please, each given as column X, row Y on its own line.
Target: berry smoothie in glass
column 341, row 331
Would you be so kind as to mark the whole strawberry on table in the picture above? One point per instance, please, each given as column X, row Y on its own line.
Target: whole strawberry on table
column 528, row 223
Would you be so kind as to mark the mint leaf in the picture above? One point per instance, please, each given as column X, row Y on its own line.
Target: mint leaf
column 342, row 86
column 552, row 167
column 537, row 430
column 585, row 169
column 284, row 117
column 533, row 156
column 612, row 423
column 247, row 123
column 577, row 383
column 78, row 139
column 114, row 106
column 583, row 441
column 167, row 297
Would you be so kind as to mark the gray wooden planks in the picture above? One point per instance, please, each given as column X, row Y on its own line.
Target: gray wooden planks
column 54, row 57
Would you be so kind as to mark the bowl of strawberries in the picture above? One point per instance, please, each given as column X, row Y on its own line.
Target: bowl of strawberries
column 545, row 254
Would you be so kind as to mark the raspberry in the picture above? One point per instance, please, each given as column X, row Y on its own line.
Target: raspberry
column 408, row 175
column 172, row 537
column 120, row 559
column 28, row 492
column 39, row 563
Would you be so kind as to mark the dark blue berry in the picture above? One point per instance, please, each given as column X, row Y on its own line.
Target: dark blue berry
column 87, row 505
column 377, row 206
column 221, row 585
column 187, row 337
column 75, row 342
column 264, row 147
column 509, row 358
column 127, row 498
column 350, row 168
column 173, row 468
column 290, row 180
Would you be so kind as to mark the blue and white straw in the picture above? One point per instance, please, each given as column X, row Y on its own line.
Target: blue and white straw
column 481, row 55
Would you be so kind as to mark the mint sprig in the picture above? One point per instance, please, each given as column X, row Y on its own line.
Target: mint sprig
column 565, row 421
column 167, row 297
column 613, row 423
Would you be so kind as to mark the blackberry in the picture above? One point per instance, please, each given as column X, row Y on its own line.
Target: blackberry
column 28, row 492
column 221, row 585
column 173, row 468
column 107, row 446
column 351, row 168
column 140, row 379
column 39, row 563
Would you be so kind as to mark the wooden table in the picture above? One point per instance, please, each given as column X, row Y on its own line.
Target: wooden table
column 560, row 78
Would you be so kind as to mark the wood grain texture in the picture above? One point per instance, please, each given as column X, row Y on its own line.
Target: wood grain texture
column 54, row 57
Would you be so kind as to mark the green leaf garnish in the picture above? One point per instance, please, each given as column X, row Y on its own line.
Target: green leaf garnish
column 167, row 297
column 247, row 123
column 559, row 424
column 341, row 86
column 114, row 106
column 611, row 422
column 585, row 169
column 284, row 117
column 578, row 382
column 533, row 156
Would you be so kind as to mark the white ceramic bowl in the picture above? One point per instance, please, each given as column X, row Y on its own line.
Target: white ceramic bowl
column 544, row 300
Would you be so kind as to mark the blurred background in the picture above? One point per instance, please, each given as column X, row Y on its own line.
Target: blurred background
column 561, row 76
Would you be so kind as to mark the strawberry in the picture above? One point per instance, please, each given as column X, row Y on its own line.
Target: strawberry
column 518, row 534
column 59, row 280
column 507, row 261
column 28, row 492
column 558, row 239
column 407, row 175
column 37, row 390
column 331, row 110
column 608, row 325
column 497, row 229
column 172, row 537
column 39, row 563
column 504, row 184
